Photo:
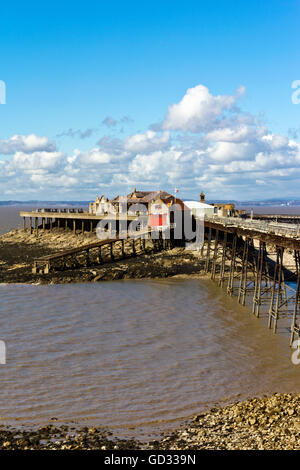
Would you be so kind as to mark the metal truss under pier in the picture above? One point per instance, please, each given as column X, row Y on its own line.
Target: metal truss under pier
column 259, row 264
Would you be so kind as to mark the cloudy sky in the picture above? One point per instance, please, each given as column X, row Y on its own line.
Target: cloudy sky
column 101, row 98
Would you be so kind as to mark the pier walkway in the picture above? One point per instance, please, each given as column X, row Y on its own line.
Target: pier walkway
column 95, row 253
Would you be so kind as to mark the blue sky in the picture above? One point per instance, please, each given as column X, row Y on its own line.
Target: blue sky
column 92, row 89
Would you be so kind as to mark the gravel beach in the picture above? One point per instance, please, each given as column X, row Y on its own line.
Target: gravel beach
column 266, row 423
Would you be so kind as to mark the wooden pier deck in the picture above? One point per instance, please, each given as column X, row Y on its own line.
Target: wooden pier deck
column 74, row 219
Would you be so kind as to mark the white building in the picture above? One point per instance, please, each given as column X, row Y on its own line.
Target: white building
column 200, row 209
column 101, row 206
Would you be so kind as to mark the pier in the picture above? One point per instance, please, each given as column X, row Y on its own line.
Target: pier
column 259, row 264
column 255, row 260
column 97, row 253
column 67, row 219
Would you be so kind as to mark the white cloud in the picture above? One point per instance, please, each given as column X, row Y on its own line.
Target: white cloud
column 37, row 160
column 92, row 157
column 44, row 180
column 26, row 143
column 233, row 155
column 147, row 142
column 229, row 151
column 238, row 133
column 198, row 110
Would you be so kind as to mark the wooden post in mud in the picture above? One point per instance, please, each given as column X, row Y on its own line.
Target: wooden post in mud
column 50, row 220
column 123, row 248
column 161, row 240
column 30, row 224
column 66, row 224
column 74, row 226
column 99, row 255
column 43, row 223
column 82, row 227
column 58, row 223
column 36, row 225
column 24, row 224
column 91, row 226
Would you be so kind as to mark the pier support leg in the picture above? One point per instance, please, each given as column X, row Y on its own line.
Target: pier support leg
column 222, row 267
column 294, row 326
column 47, row 268
column 123, row 248
column 215, row 256
column 99, row 255
column 74, row 226
column 207, row 261
column 258, row 280
column 36, row 226
column 243, row 281
column 276, row 290
column 232, row 266
column 30, row 225
column 44, row 224
column 24, row 224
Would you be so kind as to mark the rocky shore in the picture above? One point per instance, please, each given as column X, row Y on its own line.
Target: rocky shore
column 19, row 248
column 267, row 423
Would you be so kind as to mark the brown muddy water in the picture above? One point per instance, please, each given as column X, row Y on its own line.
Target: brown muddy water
column 139, row 356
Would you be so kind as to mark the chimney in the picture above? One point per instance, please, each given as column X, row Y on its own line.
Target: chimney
column 202, row 197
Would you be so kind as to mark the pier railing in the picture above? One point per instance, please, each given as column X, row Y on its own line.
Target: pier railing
column 276, row 228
